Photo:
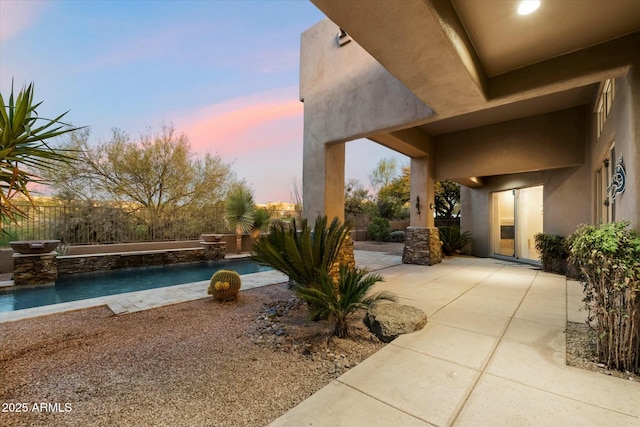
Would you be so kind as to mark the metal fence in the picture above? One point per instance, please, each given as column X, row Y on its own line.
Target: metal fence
column 78, row 223
column 447, row 222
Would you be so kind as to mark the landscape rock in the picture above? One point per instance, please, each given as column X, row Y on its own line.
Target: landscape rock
column 390, row 320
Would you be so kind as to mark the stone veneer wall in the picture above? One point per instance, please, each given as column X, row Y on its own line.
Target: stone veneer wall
column 34, row 269
column 74, row 264
column 422, row 246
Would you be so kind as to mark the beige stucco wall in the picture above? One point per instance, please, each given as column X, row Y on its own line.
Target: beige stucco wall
column 622, row 127
column 347, row 95
column 566, row 202
column 545, row 141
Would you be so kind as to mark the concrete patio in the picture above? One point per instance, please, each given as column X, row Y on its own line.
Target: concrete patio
column 492, row 354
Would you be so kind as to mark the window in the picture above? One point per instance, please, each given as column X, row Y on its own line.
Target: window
column 603, row 106
column 605, row 210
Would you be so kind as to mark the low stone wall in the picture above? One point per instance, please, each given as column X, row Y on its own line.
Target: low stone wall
column 75, row 264
column 422, row 246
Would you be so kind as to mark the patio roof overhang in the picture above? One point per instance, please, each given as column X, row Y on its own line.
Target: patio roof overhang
column 478, row 63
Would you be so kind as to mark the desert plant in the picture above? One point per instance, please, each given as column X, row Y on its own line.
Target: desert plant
column 240, row 212
column 261, row 220
column 453, row 241
column 23, row 147
column 379, row 229
column 553, row 251
column 305, row 254
column 224, row 285
column 397, row 236
column 352, row 294
column 608, row 256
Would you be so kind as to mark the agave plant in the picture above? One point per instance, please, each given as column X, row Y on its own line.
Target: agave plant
column 240, row 212
column 352, row 294
column 23, row 148
column 304, row 255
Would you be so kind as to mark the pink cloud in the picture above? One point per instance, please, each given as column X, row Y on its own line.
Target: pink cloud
column 244, row 124
column 15, row 16
column 260, row 134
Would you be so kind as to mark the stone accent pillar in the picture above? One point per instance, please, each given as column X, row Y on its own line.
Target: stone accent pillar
column 422, row 246
column 345, row 257
column 35, row 269
column 214, row 251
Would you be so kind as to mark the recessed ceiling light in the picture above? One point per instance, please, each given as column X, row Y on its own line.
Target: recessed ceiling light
column 528, row 6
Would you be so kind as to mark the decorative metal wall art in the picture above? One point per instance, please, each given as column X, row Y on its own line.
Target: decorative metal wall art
column 618, row 181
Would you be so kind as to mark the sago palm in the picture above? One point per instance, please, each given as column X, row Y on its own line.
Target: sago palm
column 240, row 212
column 352, row 294
column 305, row 254
column 23, row 148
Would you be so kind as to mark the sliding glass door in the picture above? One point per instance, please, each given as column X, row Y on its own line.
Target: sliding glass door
column 517, row 217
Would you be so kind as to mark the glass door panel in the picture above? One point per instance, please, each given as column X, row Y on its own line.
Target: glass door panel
column 528, row 221
column 517, row 218
column 504, row 223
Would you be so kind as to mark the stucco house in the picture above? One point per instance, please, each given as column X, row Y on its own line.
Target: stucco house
column 537, row 116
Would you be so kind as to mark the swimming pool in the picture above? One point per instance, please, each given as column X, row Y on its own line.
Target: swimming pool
column 92, row 285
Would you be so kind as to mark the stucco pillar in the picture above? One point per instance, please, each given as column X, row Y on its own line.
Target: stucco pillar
column 422, row 186
column 334, row 181
column 323, row 179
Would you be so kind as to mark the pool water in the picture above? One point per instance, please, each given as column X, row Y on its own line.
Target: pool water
column 92, row 285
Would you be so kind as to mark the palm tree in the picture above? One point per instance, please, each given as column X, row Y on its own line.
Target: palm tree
column 23, row 147
column 352, row 294
column 260, row 221
column 304, row 255
column 240, row 212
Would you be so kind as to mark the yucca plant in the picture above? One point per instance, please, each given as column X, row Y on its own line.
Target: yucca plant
column 305, row 254
column 240, row 212
column 260, row 221
column 352, row 294
column 23, row 148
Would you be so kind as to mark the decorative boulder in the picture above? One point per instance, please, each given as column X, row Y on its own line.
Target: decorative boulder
column 389, row 320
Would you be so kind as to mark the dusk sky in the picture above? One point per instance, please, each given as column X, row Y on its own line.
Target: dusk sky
column 225, row 73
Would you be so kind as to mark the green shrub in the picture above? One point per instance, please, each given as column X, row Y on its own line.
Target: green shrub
column 397, row 236
column 453, row 241
column 352, row 294
column 608, row 256
column 553, row 252
column 379, row 230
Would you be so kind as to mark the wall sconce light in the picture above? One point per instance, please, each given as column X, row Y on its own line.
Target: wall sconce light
column 418, row 204
column 342, row 38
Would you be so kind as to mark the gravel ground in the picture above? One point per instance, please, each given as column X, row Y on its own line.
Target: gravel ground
column 199, row 363
column 581, row 352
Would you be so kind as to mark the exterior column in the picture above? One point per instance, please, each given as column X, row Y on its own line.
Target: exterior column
column 422, row 240
column 334, row 181
column 422, row 187
column 323, row 179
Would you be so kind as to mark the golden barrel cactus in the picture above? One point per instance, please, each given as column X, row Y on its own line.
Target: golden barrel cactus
column 224, row 285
